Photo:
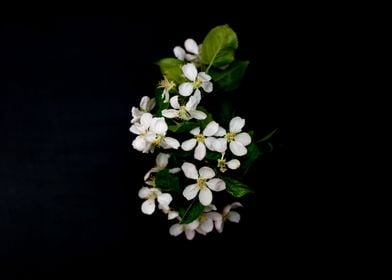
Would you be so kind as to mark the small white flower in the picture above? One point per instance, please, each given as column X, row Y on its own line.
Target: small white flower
column 161, row 161
column 146, row 105
column 202, row 140
column 237, row 140
column 191, row 47
column 167, row 87
column 196, row 79
column 189, row 229
column 232, row 164
column 186, row 112
column 141, row 129
column 227, row 214
column 157, row 135
column 207, row 221
column 152, row 194
column 205, row 182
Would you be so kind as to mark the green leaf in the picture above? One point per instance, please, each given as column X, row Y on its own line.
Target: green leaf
column 213, row 156
column 183, row 126
column 226, row 112
column 236, row 188
column 192, row 212
column 160, row 104
column 171, row 68
column 253, row 154
column 230, row 78
column 219, row 46
column 167, row 181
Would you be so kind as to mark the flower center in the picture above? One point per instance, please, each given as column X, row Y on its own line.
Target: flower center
column 197, row 83
column 201, row 183
column 183, row 113
column 222, row 165
column 230, row 136
column 165, row 83
column 200, row 138
column 157, row 140
column 152, row 196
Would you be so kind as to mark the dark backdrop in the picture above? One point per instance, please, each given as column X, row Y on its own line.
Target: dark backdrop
column 68, row 176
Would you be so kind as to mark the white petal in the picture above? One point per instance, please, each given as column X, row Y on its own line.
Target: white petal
column 190, row 170
column 174, row 102
column 221, row 132
column 200, row 151
column 219, row 225
column 204, row 77
column 191, row 46
column 190, row 57
column 215, row 216
column 172, row 214
column 150, row 137
column 162, row 160
column 159, row 126
column 170, row 113
column 176, row 229
column 148, row 206
column 234, row 217
column 236, row 124
column 211, row 128
column 164, row 199
column 144, row 192
column 207, row 86
column 195, row 131
column 198, row 115
column 236, row 205
column 233, row 164
column 191, row 191
column 209, row 142
column 188, row 144
column 206, row 172
column 171, row 143
column 144, row 103
column 226, row 210
column 150, row 105
column 190, row 71
column 205, row 196
column 145, row 120
column 174, row 170
column 244, row 138
column 139, row 143
column 207, row 225
column 237, row 148
column 185, row 89
column 137, row 129
column 220, row 145
column 194, row 225
column 179, row 53
column 190, row 234
column 216, row 184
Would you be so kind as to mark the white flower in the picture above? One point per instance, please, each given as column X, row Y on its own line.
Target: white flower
column 168, row 211
column 161, row 161
column 186, row 112
column 189, row 229
column 202, row 140
column 146, row 105
column 237, row 140
column 196, row 79
column 227, row 214
column 191, row 47
column 207, row 221
column 232, row 164
column 167, row 87
column 141, row 129
column 152, row 194
column 204, row 183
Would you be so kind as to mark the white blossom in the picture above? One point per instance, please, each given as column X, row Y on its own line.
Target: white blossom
column 152, row 194
column 185, row 112
column 227, row 214
column 223, row 164
column 208, row 219
column 205, row 182
column 191, row 47
column 141, row 129
column 196, row 80
column 189, row 229
column 146, row 105
column 167, row 87
column 202, row 140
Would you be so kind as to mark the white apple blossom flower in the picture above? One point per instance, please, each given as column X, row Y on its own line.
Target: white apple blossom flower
column 146, row 105
column 167, row 87
column 227, row 214
column 186, row 112
column 196, row 79
column 189, row 229
column 150, row 195
column 161, row 161
column 202, row 140
column 205, row 182
column 141, row 129
column 208, row 219
column 223, row 164
column 237, row 140
column 191, row 47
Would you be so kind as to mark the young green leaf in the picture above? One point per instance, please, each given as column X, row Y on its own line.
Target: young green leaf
column 183, row 126
column 219, row 46
column 192, row 212
column 236, row 188
column 166, row 181
column 229, row 78
column 171, row 68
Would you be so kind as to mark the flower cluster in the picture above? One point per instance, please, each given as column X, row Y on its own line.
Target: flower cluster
column 198, row 155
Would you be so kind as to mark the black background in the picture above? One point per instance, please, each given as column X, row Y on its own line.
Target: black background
column 68, row 175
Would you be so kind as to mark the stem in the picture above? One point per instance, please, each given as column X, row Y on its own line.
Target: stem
column 189, row 208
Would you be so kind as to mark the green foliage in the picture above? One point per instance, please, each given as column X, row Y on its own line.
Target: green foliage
column 160, row 104
column 166, row 181
column 219, row 46
column 229, row 79
column 192, row 212
column 171, row 68
column 253, row 154
column 236, row 188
